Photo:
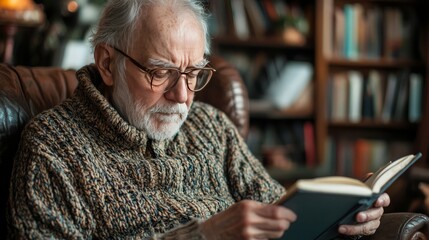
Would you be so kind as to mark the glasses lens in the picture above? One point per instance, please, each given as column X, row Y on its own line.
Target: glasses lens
column 165, row 79
column 164, row 76
column 203, row 77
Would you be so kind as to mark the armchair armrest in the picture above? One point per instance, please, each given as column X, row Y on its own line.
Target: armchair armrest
column 402, row 226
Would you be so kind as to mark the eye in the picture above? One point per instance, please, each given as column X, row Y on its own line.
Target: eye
column 194, row 73
column 162, row 74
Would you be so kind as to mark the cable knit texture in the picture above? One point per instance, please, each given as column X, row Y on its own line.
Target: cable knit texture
column 83, row 172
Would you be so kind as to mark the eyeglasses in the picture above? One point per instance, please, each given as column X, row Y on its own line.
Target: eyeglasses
column 196, row 78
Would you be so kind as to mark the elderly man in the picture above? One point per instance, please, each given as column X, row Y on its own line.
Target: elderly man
column 130, row 155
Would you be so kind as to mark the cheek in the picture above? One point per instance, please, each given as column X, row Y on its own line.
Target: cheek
column 142, row 93
column 190, row 99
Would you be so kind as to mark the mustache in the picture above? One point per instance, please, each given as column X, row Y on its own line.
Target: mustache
column 179, row 108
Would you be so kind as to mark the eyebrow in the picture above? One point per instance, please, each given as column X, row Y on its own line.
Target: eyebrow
column 160, row 63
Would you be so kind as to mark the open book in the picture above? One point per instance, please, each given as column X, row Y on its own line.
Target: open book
column 322, row 204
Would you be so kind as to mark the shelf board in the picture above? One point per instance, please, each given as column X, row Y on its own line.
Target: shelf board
column 376, row 63
column 261, row 109
column 279, row 115
column 406, row 2
column 374, row 130
column 394, row 125
column 262, row 43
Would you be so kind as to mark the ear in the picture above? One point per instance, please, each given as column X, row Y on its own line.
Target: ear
column 103, row 56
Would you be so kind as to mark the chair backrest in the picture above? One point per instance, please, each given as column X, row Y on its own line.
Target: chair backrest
column 26, row 91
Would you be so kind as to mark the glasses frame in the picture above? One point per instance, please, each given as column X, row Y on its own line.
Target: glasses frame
column 151, row 72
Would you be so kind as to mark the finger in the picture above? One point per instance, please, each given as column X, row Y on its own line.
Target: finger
column 270, row 229
column 369, row 215
column 276, row 212
column 424, row 187
column 273, row 225
column 382, row 201
column 368, row 175
column 367, row 228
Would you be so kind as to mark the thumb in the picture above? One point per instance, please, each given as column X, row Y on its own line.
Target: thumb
column 424, row 187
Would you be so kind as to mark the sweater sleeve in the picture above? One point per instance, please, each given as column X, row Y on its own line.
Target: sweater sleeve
column 44, row 201
column 248, row 178
column 48, row 199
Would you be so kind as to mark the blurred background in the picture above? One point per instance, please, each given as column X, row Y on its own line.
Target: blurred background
column 336, row 87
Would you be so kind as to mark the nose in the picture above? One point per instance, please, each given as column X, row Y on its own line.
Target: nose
column 179, row 93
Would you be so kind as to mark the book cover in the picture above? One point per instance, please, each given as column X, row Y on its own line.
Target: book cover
column 374, row 33
column 400, row 111
column 355, row 79
column 415, row 97
column 350, row 44
column 367, row 101
column 310, row 149
column 362, row 152
column 340, row 94
column 338, row 199
column 339, row 35
column 239, row 19
column 290, row 83
column 376, row 85
column 390, row 97
column 255, row 17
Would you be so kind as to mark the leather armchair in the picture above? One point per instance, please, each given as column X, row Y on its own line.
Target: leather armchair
column 26, row 91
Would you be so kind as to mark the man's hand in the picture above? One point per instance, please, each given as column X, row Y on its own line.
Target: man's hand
column 369, row 220
column 248, row 220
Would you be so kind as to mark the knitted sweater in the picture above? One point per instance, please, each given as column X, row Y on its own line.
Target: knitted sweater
column 83, row 172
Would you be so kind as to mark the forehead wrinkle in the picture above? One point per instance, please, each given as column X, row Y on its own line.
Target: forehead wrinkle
column 161, row 63
column 171, row 42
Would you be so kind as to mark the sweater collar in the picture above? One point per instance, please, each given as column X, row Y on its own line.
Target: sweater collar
column 108, row 120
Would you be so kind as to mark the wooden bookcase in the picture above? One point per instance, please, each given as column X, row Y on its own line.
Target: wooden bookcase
column 396, row 132
column 320, row 50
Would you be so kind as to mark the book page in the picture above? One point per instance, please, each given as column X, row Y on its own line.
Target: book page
column 336, row 184
column 384, row 174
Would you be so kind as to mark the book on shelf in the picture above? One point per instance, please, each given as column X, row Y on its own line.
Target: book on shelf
column 257, row 23
column 362, row 32
column 309, row 145
column 344, row 157
column 239, row 18
column 350, row 40
column 376, row 88
column 218, row 18
column 355, row 79
column 368, row 110
column 390, row 97
column 415, row 99
column 373, row 42
column 339, row 96
column 394, row 96
column 338, row 199
column 400, row 110
column 338, row 35
column 361, row 161
column 355, row 157
column 289, row 82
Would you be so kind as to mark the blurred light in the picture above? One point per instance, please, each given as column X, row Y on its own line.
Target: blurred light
column 16, row 4
column 72, row 6
column 20, row 12
column 15, row 13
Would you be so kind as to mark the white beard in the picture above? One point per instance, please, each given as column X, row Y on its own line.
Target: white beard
column 160, row 122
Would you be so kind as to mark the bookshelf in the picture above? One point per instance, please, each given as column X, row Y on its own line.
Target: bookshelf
column 261, row 39
column 390, row 129
column 373, row 51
